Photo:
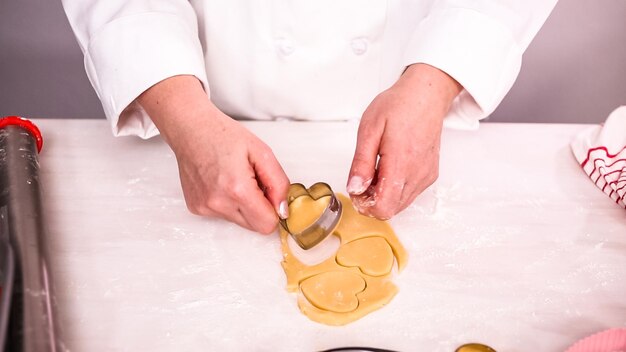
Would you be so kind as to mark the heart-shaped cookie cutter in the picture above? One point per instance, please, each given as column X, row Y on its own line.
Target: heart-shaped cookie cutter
column 325, row 224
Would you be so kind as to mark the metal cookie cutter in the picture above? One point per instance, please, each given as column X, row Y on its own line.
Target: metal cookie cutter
column 325, row 224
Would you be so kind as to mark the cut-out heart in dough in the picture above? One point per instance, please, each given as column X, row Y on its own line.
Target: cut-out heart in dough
column 372, row 255
column 334, row 291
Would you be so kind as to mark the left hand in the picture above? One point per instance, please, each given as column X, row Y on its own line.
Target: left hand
column 397, row 151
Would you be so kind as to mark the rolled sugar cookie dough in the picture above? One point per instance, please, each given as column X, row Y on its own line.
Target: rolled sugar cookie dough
column 353, row 282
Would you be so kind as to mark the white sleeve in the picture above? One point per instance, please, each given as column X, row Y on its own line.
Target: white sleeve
column 130, row 45
column 480, row 44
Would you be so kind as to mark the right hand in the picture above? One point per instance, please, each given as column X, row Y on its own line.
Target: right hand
column 225, row 170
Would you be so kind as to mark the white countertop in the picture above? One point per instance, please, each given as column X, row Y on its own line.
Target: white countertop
column 513, row 247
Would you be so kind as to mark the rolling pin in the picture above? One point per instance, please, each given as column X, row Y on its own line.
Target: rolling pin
column 31, row 326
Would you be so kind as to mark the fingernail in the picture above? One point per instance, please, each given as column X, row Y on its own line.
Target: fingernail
column 283, row 210
column 357, row 186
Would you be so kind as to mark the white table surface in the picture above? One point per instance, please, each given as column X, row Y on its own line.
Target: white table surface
column 513, row 247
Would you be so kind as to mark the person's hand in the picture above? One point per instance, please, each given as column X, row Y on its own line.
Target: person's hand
column 397, row 151
column 225, row 170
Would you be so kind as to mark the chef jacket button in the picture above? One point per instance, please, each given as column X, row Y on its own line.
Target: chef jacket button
column 284, row 46
column 359, row 46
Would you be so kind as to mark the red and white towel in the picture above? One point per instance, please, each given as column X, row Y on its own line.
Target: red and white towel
column 601, row 151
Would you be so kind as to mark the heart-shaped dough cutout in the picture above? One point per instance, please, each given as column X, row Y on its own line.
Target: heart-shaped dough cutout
column 372, row 255
column 333, row 291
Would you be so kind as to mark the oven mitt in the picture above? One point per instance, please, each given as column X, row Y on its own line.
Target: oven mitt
column 601, row 151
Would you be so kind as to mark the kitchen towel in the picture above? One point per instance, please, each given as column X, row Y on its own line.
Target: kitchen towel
column 601, row 152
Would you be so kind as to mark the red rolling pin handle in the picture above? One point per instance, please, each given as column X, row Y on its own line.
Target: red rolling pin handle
column 25, row 124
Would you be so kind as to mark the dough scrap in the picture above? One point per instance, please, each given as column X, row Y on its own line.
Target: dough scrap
column 353, row 282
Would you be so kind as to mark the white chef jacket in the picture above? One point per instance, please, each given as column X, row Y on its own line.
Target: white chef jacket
column 296, row 59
